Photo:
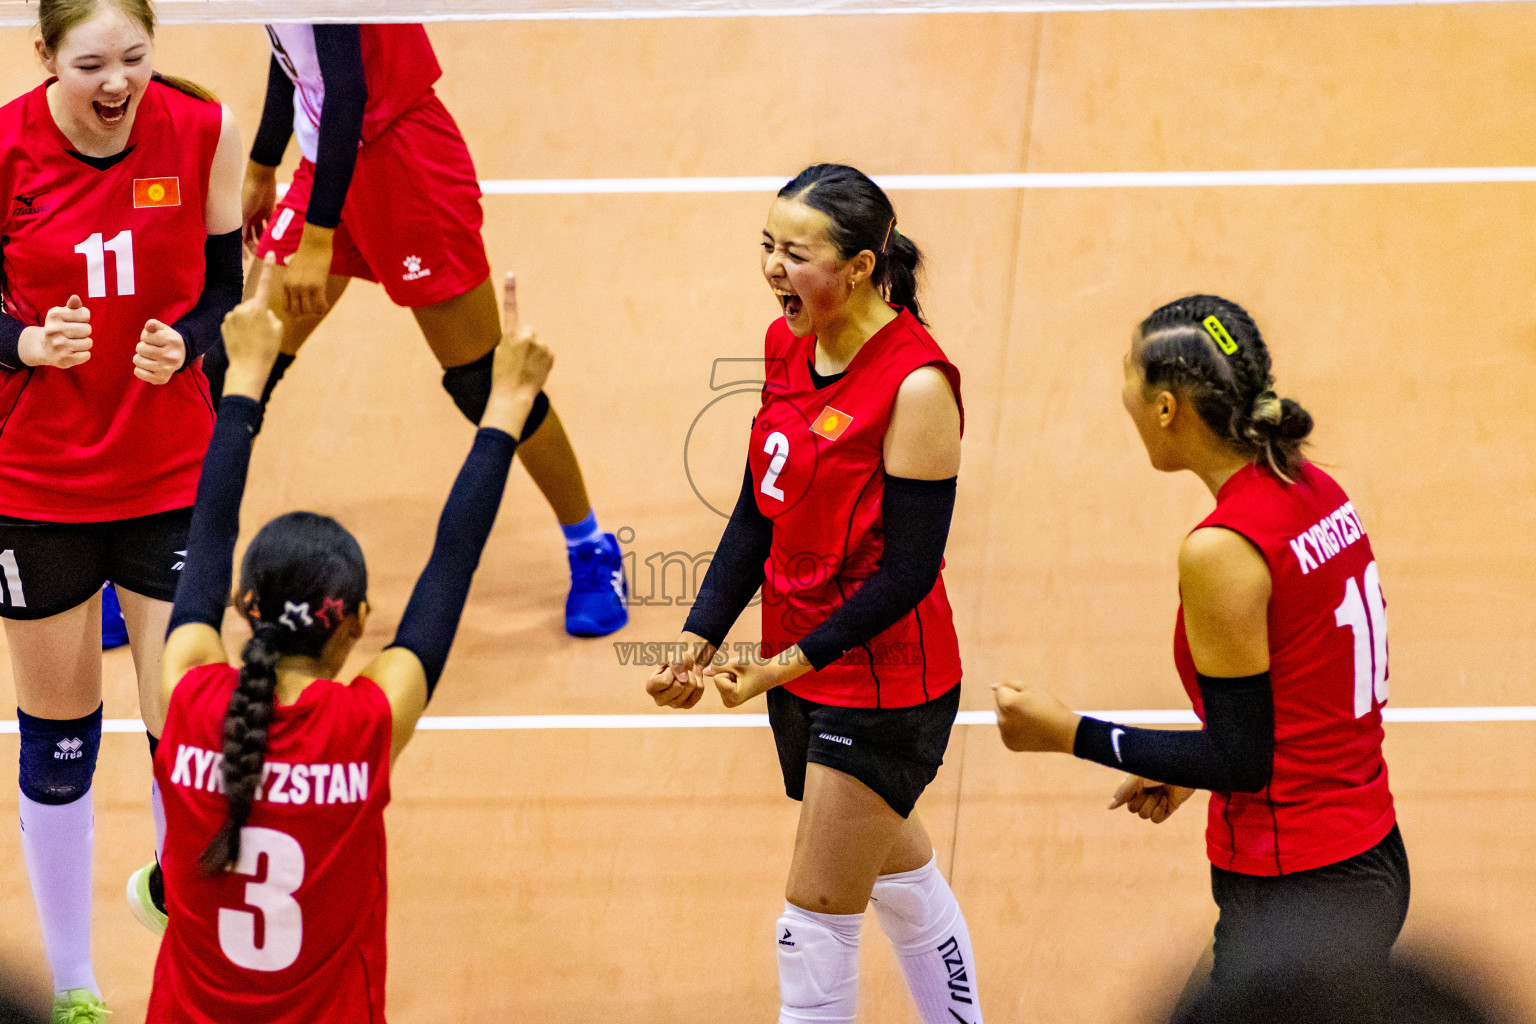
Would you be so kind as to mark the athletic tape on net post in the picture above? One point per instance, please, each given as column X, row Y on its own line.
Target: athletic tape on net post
column 504, row 723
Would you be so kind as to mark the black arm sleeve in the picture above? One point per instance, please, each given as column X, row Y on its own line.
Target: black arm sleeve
column 10, row 342
column 736, row 571
column 222, row 285
column 916, row 515
column 432, row 617
column 203, row 589
column 276, row 118
column 339, row 49
column 1234, row 753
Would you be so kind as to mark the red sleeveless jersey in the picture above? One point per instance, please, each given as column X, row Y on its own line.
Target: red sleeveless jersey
column 1328, row 798
column 94, row 443
column 399, row 68
column 296, row 934
column 817, row 457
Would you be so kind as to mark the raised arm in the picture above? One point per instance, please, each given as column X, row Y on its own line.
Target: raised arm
column 252, row 334
column 408, row 670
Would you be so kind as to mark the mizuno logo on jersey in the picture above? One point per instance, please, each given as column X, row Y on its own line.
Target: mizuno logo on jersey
column 281, row 783
column 154, row 192
column 1327, row 537
column 28, row 201
column 68, row 749
column 830, row 423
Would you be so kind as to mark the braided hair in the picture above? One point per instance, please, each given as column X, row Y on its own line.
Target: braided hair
column 1209, row 350
column 863, row 218
column 301, row 576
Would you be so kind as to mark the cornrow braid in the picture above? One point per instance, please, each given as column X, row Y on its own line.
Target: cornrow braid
column 1209, row 349
column 246, row 719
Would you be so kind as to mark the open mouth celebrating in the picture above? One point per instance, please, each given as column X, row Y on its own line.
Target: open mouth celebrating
column 111, row 114
column 789, row 301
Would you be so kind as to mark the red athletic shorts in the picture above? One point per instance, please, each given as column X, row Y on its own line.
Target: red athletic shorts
column 412, row 217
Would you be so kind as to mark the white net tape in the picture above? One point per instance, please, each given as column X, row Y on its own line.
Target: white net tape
column 174, row 12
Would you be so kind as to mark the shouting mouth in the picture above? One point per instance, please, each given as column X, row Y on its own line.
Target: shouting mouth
column 111, row 114
column 789, row 301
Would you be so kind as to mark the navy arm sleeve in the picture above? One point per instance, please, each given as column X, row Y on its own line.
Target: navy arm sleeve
column 203, row 589
column 10, row 342
column 222, row 285
column 339, row 50
column 736, row 571
column 432, row 617
column 1234, row 753
column 276, row 118
column 916, row 514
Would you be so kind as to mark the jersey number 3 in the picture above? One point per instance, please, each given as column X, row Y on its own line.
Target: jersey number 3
column 282, row 920
column 1367, row 618
column 95, row 250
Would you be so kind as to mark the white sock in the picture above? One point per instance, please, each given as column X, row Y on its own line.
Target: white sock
column 918, row 912
column 57, row 842
column 818, row 966
column 157, row 809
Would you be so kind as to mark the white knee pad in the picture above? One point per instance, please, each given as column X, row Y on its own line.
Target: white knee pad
column 915, row 907
column 818, row 966
column 919, row 913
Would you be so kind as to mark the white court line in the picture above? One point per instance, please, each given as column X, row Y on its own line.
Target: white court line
column 505, row 723
column 1043, row 180
column 1088, row 179
column 185, row 12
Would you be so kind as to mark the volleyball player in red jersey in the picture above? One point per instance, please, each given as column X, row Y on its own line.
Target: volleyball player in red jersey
column 121, row 256
column 386, row 191
column 275, row 774
column 1281, row 644
column 842, row 519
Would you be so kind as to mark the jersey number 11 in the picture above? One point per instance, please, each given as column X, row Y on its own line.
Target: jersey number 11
column 95, row 250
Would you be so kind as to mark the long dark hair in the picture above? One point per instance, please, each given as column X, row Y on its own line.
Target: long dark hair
column 302, row 574
column 1209, row 349
column 863, row 218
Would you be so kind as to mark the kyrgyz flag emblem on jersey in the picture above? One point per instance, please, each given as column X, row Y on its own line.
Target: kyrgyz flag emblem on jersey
column 830, row 423
column 152, row 192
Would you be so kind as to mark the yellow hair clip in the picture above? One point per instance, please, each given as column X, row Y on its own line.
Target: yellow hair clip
column 1219, row 335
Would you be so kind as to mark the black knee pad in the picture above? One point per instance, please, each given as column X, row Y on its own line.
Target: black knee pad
column 58, row 757
column 470, row 388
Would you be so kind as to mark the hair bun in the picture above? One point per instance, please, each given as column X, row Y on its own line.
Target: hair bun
column 1295, row 422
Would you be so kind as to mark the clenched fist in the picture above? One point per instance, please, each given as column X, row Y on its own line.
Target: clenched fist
column 161, row 352
column 64, row 339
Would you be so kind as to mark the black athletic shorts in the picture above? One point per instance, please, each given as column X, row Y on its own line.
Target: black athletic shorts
column 50, row 568
column 894, row 751
column 1349, row 913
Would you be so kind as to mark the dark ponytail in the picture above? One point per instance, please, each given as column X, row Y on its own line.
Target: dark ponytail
column 1210, row 350
column 301, row 576
column 863, row 218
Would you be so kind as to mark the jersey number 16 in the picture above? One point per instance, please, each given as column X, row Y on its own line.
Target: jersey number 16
column 1367, row 618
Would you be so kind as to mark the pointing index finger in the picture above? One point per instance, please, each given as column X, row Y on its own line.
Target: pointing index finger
column 509, row 320
column 264, row 281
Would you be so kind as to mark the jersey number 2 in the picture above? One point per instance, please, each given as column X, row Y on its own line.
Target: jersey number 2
column 1367, row 618
column 95, row 250
column 282, row 920
column 777, row 450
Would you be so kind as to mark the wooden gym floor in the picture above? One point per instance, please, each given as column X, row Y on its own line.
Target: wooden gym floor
column 597, row 875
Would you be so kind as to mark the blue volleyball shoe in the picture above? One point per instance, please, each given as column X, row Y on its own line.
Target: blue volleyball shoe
column 114, row 631
column 598, row 602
